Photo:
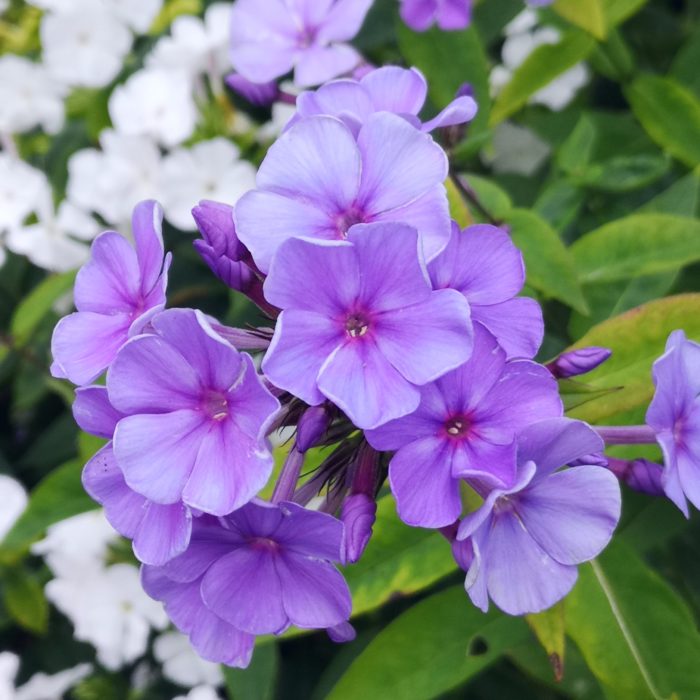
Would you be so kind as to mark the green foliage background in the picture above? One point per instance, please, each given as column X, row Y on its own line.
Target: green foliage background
column 609, row 229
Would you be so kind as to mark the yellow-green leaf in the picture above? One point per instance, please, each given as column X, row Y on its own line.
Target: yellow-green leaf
column 586, row 14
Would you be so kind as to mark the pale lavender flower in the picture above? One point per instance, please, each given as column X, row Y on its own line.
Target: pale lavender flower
column 116, row 292
column 269, row 38
column 464, row 428
column 528, row 538
column 449, row 15
column 317, row 181
column 360, row 325
column 402, row 91
column 674, row 415
column 482, row 263
column 197, row 416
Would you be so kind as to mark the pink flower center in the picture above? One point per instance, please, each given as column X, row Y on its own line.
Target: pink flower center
column 457, row 426
column 264, row 543
column 356, row 325
column 215, row 405
column 348, row 219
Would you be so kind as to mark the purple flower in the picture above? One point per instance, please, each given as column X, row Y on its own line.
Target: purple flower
column 448, row 14
column 197, row 415
column 674, row 415
column 269, row 38
column 389, row 89
column 361, row 326
column 260, row 570
column 464, row 428
column 220, row 247
column 528, row 538
column 317, row 181
column 116, row 292
column 159, row 532
column 482, row 263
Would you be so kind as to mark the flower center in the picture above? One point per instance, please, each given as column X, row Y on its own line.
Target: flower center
column 346, row 220
column 356, row 326
column 264, row 543
column 215, row 405
column 457, row 426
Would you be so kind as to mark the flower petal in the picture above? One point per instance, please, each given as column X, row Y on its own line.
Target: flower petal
column 395, row 89
column 344, row 20
column 319, row 64
column 517, row 325
column 147, row 226
column 164, row 532
column 94, row 413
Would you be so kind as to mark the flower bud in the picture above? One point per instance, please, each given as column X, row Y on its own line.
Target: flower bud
column 258, row 94
column 639, row 474
column 358, row 516
column 312, row 425
column 575, row 362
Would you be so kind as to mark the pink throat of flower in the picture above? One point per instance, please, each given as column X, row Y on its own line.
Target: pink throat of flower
column 264, row 543
column 215, row 404
column 457, row 426
column 345, row 221
column 356, row 325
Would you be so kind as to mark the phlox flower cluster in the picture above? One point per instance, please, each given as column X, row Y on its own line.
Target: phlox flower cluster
column 392, row 343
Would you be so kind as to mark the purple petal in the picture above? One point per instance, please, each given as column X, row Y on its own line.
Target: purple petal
column 319, row 64
column 344, row 20
column 572, row 514
column 259, row 94
column 399, row 163
column 94, row 413
column 425, row 492
column 244, row 589
column 147, row 227
column 553, row 443
column 429, row 339
column 454, row 14
column 475, row 458
column 418, row 14
column 314, row 593
column 362, row 383
column 219, row 642
column 688, row 468
column 319, row 276
column 302, row 342
column 390, row 271
column 397, row 90
column 460, row 111
column 309, row 533
column 517, row 325
column 85, row 343
column 182, row 602
column 164, row 532
column 345, row 99
column 150, row 375
column 159, row 469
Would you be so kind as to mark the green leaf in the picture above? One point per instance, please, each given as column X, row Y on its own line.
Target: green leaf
column 434, row 646
column 58, row 496
column 459, row 210
column 24, row 600
column 685, row 64
column 617, row 11
column 636, row 634
column 670, row 113
column 586, row 14
column 680, row 198
column 494, row 199
column 559, row 203
column 549, row 628
column 636, row 338
column 637, row 245
column 34, row 308
column 257, row 682
column 624, row 173
column 544, row 64
column 574, row 393
column 575, row 153
column 550, row 267
column 398, row 559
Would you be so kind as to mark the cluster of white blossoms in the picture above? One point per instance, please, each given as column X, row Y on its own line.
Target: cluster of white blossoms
column 85, row 44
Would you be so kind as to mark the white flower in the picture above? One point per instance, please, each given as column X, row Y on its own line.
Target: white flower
column 181, row 664
column 157, row 103
column 22, row 189
column 86, row 47
column 281, row 114
column 208, row 170
column 196, row 46
column 108, row 609
column 523, row 36
column 14, row 500
column 516, row 149
column 111, row 181
column 29, row 97
column 40, row 686
column 202, row 692
column 51, row 242
column 138, row 14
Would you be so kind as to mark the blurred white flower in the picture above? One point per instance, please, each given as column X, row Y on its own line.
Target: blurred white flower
column 14, row 500
column 112, row 180
column 209, row 170
column 196, row 46
column 137, row 14
column 29, row 97
column 22, row 189
column 181, row 664
column 157, row 103
column 516, row 149
column 523, row 36
column 85, row 47
column 40, row 686
column 51, row 242
column 281, row 114
column 202, row 692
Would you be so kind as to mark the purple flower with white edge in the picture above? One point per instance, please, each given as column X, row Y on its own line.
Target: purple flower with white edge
column 449, row 15
column 269, row 38
column 464, row 428
column 208, row 408
column 263, row 568
column 674, row 415
column 317, row 181
column 159, row 532
column 402, row 91
column 360, row 325
column 483, row 263
column 116, row 292
column 528, row 539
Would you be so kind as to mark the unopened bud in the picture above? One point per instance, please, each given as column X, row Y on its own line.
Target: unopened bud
column 639, row 474
column 312, row 425
column 575, row 362
column 258, row 94
column 358, row 515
